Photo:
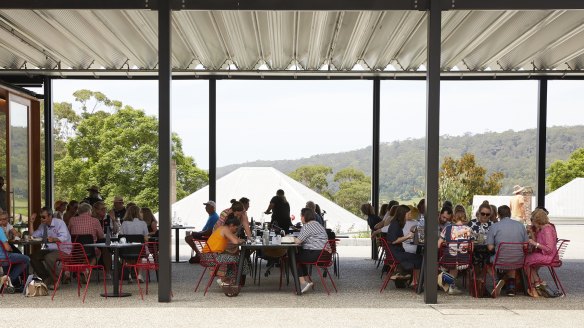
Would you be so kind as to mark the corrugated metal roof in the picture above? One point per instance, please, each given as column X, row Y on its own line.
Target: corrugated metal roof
column 68, row 42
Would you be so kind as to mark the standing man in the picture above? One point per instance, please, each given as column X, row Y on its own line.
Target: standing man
column 54, row 230
column 205, row 232
column 509, row 231
column 517, row 209
column 94, row 196
column 3, row 199
column 280, row 210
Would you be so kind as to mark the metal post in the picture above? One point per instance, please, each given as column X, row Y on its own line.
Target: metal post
column 164, row 148
column 432, row 151
column 48, row 117
column 541, row 140
column 212, row 139
column 375, row 155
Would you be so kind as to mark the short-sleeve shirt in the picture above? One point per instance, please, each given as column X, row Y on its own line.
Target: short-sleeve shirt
column 313, row 236
column 281, row 212
column 85, row 224
column 7, row 229
column 211, row 221
column 135, row 227
column 3, row 240
column 506, row 230
column 479, row 227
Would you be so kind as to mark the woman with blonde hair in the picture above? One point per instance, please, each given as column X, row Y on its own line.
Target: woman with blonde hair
column 543, row 242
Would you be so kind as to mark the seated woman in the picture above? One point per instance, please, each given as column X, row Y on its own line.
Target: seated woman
column 543, row 240
column 457, row 232
column 395, row 238
column 381, row 227
column 9, row 231
column 133, row 225
column 236, row 209
column 22, row 260
column 372, row 218
column 224, row 242
column 482, row 222
column 411, row 222
column 313, row 238
column 150, row 220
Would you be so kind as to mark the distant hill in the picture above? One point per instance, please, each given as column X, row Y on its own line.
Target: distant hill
column 402, row 162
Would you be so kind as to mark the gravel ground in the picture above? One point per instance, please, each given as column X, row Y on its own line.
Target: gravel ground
column 358, row 302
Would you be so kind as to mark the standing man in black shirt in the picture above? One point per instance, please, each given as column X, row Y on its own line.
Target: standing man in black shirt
column 280, row 210
column 94, row 196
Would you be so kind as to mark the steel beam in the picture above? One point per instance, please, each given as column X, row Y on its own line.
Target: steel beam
column 164, row 149
column 212, row 139
column 49, row 159
column 375, row 154
column 541, row 140
column 79, row 4
column 304, row 5
column 432, row 152
column 512, row 5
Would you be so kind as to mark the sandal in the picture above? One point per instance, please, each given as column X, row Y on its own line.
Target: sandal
column 533, row 292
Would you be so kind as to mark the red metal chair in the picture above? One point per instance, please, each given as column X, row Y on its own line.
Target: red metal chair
column 324, row 261
column 74, row 259
column 389, row 261
column 458, row 255
column 147, row 260
column 209, row 261
column 555, row 262
column 6, row 262
column 509, row 256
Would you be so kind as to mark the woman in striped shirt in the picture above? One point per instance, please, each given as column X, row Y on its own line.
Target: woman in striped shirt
column 313, row 238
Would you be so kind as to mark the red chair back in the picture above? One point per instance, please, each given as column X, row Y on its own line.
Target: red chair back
column 455, row 255
column 73, row 257
column 389, row 258
column 561, row 246
column 149, row 253
column 325, row 259
column 208, row 259
column 510, row 256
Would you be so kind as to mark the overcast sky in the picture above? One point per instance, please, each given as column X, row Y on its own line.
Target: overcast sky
column 272, row 120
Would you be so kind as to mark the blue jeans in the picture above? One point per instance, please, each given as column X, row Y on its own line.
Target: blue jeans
column 18, row 268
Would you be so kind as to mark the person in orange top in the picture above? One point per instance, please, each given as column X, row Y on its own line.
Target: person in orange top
column 224, row 243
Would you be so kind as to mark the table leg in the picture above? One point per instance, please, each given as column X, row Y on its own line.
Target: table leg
column 294, row 269
column 240, row 266
column 116, row 278
column 176, row 245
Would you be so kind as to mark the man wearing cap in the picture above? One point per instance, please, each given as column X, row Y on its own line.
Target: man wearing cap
column 119, row 210
column 94, row 196
column 517, row 208
column 207, row 229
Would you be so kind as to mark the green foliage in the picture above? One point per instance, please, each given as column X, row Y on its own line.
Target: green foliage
column 562, row 172
column 314, row 177
column 119, row 152
column 402, row 166
column 461, row 179
column 354, row 187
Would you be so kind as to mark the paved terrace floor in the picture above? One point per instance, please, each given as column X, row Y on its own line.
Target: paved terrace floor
column 357, row 304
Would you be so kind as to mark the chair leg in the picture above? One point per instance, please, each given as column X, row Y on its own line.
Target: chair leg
column 556, row 279
column 138, row 281
column 200, row 278
column 104, row 283
column 57, row 284
column 87, row 284
column 78, row 283
column 332, row 281
column 322, row 280
column 387, row 278
column 213, row 274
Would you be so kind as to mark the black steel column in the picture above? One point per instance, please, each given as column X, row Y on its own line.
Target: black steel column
column 49, row 159
column 432, row 151
column 541, row 140
column 212, row 139
column 375, row 155
column 164, row 147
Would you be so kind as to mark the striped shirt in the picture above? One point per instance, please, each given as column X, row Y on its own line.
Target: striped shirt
column 313, row 236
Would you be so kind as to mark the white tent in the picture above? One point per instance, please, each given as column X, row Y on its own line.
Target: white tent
column 566, row 202
column 259, row 184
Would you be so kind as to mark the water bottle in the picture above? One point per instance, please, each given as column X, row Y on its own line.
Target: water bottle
column 420, row 229
column 266, row 235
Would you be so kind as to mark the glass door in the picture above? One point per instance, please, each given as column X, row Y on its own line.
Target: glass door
column 19, row 161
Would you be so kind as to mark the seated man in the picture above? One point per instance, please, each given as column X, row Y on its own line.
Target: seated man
column 206, row 232
column 85, row 224
column 510, row 231
column 55, row 230
column 16, row 270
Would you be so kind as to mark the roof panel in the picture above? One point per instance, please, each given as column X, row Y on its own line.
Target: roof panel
column 122, row 40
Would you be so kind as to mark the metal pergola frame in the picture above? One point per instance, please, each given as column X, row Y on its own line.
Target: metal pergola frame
column 432, row 76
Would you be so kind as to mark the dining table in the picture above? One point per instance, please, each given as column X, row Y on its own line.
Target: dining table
column 115, row 247
column 177, row 229
column 26, row 244
column 291, row 250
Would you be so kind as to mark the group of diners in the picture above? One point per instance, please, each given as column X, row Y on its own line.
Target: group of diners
column 491, row 226
column 64, row 224
column 223, row 233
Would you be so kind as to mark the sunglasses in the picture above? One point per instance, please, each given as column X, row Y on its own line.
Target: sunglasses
column 485, row 214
